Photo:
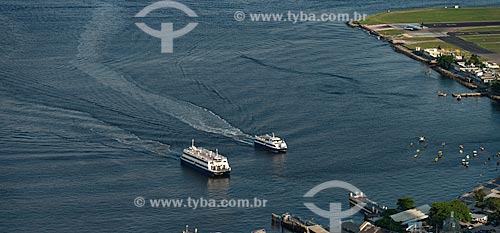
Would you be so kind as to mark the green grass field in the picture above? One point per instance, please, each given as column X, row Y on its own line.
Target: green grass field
column 435, row 15
column 492, row 47
column 425, row 45
column 489, row 42
column 481, row 38
column 391, row 32
column 420, row 38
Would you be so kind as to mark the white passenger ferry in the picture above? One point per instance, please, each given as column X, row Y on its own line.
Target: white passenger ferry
column 206, row 161
column 270, row 142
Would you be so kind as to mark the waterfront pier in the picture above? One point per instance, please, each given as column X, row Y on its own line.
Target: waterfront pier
column 469, row 94
column 296, row 224
column 369, row 208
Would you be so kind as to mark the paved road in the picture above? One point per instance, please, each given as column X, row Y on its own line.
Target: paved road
column 474, row 33
column 471, row 47
column 464, row 24
column 452, row 37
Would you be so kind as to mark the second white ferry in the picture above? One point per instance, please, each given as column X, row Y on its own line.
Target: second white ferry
column 206, row 161
column 270, row 142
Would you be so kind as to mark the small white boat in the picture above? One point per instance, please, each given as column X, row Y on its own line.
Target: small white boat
column 459, row 97
column 474, row 153
column 271, row 142
column 259, row 231
column 188, row 231
column 442, row 94
column 465, row 163
column 421, row 139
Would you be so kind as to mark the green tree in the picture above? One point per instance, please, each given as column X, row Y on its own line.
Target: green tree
column 479, row 198
column 495, row 87
column 406, row 203
column 496, row 215
column 442, row 210
column 474, row 59
column 445, row 61
column 389, row 224
column 386, row 221
column 493, row 203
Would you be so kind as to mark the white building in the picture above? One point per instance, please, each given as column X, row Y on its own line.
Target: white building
column 482, row 218
column 412, row 216
column 491, row 65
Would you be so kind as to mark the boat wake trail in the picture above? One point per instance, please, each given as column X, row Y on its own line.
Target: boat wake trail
column 83, row 129
column 288, row 70
column 104, row 24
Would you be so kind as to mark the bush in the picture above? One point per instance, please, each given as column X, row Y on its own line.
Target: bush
column 495, row 87
column 389, row 224
column 442, row 210
column 406, row 203
column 479, row 198
column 445, row 61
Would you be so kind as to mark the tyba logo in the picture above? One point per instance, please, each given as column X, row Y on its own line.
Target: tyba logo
column 166, row 33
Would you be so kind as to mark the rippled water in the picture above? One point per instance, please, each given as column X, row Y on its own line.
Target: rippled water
column 92, row 116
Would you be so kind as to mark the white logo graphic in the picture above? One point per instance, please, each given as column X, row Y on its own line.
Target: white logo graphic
column 335, row 214
column 167, row 33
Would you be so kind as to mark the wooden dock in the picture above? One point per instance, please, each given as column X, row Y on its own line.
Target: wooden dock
column 371, row 209
column 469, row 94
column 495, row 97
column 297, row 225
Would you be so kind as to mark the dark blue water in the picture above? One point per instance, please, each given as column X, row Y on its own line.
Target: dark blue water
column 93, row 115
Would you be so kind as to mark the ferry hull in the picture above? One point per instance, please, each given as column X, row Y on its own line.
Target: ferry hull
column 204, row 171
column 269, row 148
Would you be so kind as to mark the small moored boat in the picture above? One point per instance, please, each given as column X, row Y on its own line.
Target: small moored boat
column 188, row 231
column 465, row 163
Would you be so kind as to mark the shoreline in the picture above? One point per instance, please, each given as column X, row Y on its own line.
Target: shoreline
column 401, row 48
